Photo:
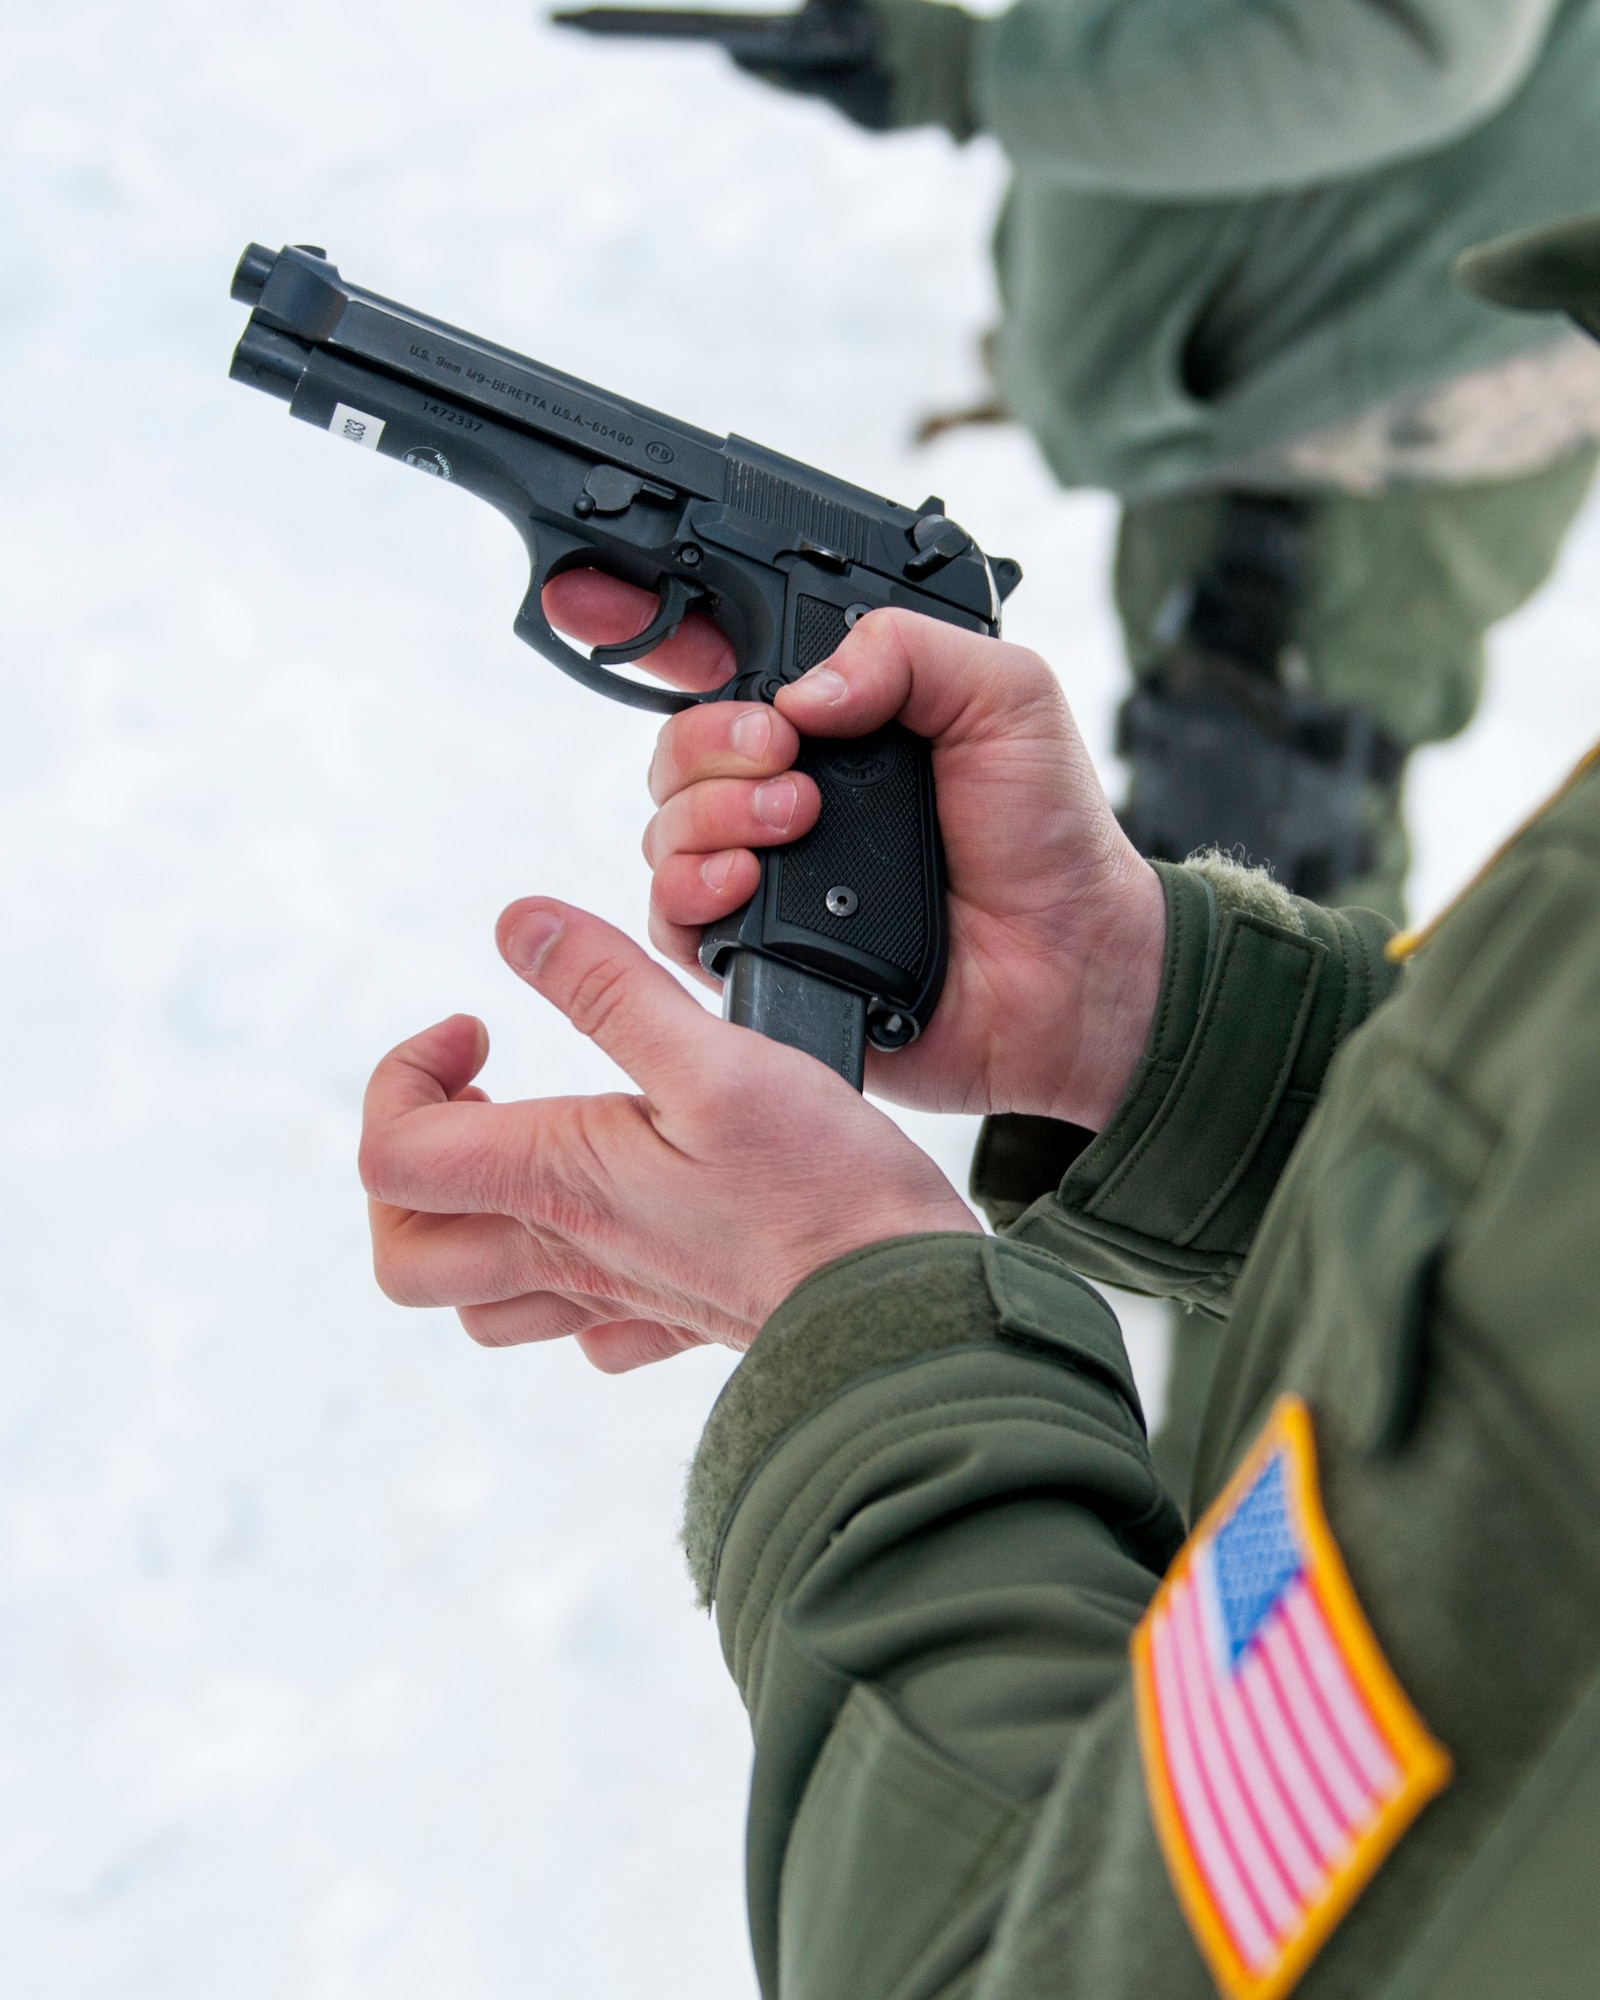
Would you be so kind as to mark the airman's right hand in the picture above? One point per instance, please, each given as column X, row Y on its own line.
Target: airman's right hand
column 1057, row 926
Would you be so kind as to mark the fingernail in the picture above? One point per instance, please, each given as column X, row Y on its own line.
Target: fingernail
column 715, row 870
column 775, row 802
column 822, row 684
column 529, row 939
column 752, row 733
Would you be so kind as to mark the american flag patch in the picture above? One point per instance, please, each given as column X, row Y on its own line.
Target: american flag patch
column 1281, row 1756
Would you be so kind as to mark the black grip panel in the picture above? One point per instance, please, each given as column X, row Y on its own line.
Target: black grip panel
column 819, row 630
column 860, row 898
column 859, row 878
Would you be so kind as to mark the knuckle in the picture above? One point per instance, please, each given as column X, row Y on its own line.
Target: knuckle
column 673, row 940
column 673, row 828
column 599, row 993
column 663, row 779
column 1023, row 673
column 1015, row 686
column 389, row 1270
column 373, row 1165
column 707, row 808
column 486, row 1329
column 893, row 629
column 672, row 891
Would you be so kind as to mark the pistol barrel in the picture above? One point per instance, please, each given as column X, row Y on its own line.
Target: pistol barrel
column 270, row 361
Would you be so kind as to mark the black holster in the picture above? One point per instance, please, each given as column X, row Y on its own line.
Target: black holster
column 1222, row 752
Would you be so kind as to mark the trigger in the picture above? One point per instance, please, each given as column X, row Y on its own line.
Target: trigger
column 678, row 595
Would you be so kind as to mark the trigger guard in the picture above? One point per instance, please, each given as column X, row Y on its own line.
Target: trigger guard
column 675, row 598
column 535, row 630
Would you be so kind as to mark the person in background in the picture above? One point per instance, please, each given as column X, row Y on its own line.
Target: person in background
column 1017, row 1735
column 1224, row 266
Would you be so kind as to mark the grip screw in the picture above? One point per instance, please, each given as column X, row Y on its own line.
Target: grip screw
column 689, row 556
column 842, row 901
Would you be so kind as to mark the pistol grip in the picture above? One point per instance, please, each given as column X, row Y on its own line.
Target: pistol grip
column 859, row 900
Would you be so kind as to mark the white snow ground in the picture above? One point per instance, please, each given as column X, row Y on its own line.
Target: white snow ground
column 341, row 1659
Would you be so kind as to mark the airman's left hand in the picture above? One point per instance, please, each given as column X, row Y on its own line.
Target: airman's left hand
column 640, row 1224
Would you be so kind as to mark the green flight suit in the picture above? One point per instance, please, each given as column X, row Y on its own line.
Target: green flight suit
column 1231, row 224
column 925, row 1511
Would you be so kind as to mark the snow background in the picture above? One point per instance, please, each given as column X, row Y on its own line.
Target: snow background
column 340, row 1659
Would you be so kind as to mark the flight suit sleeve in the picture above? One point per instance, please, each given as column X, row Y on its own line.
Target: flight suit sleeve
column 925, row 1512
column 1211, row 97
column 924, row 1506
column 1258, row 991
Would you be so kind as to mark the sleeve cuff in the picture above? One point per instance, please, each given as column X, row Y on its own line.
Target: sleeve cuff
column 880, row 1309
column 1258, row 991
column 928, row 50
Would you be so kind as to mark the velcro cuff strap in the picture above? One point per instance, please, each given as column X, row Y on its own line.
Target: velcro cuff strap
column 1228, row 1089
column 887, row 1307
column 928, row 50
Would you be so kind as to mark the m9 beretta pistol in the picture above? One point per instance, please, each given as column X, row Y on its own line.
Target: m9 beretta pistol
column 844, row 941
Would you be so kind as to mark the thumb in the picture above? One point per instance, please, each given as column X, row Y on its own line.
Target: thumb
column 607, row 988
column 943, row 682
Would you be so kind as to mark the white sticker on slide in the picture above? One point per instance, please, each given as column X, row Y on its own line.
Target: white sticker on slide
column 356, row 425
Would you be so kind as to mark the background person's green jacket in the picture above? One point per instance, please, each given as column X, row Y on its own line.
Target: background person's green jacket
column 925, row 1510
column 1232, row 221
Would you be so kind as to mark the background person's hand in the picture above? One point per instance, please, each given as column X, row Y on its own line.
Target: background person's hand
column 1057, row 927
column 641, row 1225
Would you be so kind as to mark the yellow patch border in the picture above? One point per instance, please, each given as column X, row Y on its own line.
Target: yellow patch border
column 1404, row 943
column 1425, row 1764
